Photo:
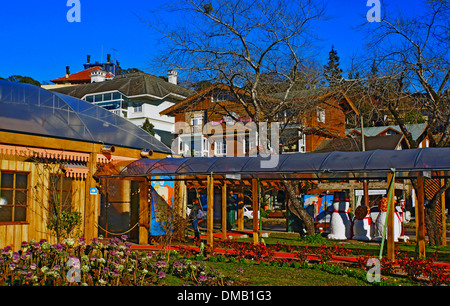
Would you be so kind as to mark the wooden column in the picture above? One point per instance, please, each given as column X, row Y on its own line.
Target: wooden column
column 210, row 211
column 240, row 224
column 224, row 211
column 144, row 216
column 255, row 202
column 391, row 215
column 444, row 217
column 92, row 203
column 420, row 216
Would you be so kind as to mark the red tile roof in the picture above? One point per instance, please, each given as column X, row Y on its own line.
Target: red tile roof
column 80, row 77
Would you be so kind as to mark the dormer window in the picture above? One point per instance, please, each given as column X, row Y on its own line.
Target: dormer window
column 320, row 115
column 222, row 96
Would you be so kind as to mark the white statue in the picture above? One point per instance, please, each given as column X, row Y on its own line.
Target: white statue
column 340, row 222
column 362, row 224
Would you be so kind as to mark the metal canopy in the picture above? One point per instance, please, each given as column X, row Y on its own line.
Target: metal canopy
column 30, row 109
column 376, row 164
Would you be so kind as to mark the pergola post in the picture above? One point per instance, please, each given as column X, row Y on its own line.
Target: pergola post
column 210, row 210
column 144, row 216
column 391, row 215
column 420, row 217
column 224, row 211
column 255, row 202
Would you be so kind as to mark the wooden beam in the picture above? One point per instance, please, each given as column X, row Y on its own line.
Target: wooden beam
column 224, row 211
column 420, row 217
column 391, row 215
column 210, row 211
column 144, row 216
column 255, row 202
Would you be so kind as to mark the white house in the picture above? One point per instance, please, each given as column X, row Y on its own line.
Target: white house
column 135, row 96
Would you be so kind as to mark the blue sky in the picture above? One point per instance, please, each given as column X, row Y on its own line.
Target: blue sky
column 38, row 41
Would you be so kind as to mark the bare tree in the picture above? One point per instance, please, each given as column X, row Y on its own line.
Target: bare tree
column 412, row 60
column 239, row 43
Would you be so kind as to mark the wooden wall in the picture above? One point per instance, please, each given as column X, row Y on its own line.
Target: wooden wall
column 35, row 226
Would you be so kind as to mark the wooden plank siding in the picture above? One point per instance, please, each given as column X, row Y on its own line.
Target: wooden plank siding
column 16, row 154
column 35, row 226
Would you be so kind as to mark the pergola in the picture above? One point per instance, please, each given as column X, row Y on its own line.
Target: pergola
column 386, row 165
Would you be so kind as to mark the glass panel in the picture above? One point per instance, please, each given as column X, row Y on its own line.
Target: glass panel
column 21, row 181
column 7, row 180
column 98, row 98
column 21, row 197
column 107, row 96
column 89, row 98
column 6, row 197
column 5, row 214
column 20, row 213
column 34, row 110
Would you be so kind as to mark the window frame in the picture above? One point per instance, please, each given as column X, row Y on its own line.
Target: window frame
column 321, row 115
column 61, row 191
column 14, row 190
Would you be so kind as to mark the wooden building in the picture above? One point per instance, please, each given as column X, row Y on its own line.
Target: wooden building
column 306, row 119
column 47, row 137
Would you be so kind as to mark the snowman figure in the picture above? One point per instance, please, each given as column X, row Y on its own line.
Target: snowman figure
column 381, row 221
column 362, row 224
column 340, row 221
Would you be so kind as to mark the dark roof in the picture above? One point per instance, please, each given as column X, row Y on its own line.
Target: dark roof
column 130, row 84
column 388, row 142
column 29, row 109
column 331, row 165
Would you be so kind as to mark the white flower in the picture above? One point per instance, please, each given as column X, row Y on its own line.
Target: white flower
column 69, row 242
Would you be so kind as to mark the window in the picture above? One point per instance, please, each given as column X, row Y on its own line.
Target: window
column 107, row 96
column 13, row 196
column 222, row 96
column 197, row 121
column 60, row 192
column 221, row 147
column 320, row 115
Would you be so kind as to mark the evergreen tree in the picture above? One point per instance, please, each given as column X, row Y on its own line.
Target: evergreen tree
column 148, row 127
column 331, row 71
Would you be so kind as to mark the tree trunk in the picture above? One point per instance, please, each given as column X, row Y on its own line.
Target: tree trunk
column 297, row 209
column 431, row 222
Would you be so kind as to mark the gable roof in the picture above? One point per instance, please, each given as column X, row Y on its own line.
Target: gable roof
column 388, row 142
column 81, row 76
column 130, row 84
column 318, row 94
column 415, row 129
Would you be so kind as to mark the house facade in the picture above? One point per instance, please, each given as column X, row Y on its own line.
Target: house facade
column 213, row 123
column 135, row 96
column 51, row 146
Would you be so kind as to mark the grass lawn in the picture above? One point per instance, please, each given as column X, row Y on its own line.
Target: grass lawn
column 257, row 275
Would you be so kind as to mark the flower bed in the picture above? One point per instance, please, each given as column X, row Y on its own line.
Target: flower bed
column 98, row 264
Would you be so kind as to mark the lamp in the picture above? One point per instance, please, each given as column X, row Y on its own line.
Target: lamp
column 107, row 149
column 146, row 153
